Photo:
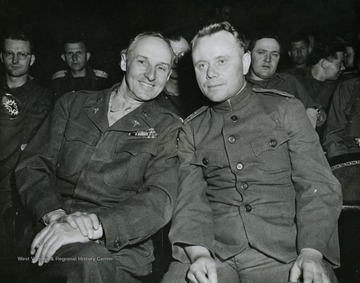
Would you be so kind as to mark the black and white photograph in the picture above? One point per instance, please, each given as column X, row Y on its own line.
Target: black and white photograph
column 180, row 141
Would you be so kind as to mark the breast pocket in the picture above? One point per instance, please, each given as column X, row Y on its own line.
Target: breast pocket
column 211, row 161
column 271, row 150
column 75, row 150
column 130, row 162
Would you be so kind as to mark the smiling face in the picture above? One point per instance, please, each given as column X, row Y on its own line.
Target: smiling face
column 220, row 65
column 15, row 66
column 148, row 67
column 265, row 58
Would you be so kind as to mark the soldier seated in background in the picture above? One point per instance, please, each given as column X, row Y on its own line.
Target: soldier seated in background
column 265, row 57
column 101, row 175
column 78, row 75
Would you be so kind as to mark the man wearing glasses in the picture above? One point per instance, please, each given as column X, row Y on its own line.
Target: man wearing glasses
column 23, row 107
column 78, row 76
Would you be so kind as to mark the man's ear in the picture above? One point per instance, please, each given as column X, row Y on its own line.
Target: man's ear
column 1, row 57
column 289, row 53
column 246, row 60
column 88, row 55
column 323, row 63
column 123, row 62
column 168, row 77
column 63, row 57
column 32, row 60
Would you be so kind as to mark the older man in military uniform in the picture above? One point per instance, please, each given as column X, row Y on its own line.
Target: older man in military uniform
column 102, row 174
column 257, row 200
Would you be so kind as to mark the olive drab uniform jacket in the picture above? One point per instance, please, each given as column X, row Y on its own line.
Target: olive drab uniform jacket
column 252, row 172
column 127, row 174
column 343, row 124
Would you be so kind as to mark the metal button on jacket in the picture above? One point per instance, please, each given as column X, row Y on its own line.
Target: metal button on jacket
column 248, row 208
column 273, row 143
column 205, row 161
column 234, row 118
column 232, row 139
column 117, row 244
column 244, row 186
column 239, row 166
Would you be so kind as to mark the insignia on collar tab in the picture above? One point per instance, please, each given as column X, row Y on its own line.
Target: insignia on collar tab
column 149, row 134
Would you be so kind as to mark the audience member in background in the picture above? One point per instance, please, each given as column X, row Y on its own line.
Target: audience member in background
column 342, row 132
column 265, row 57
column 257, row 199
column 101, row 175
column 320, row 78
column 78, row 75
column 171, row 98
column 299, row 51
column 23, row 108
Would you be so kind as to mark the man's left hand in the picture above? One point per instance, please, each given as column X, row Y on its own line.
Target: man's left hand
column 51, row 238
column 309, row 266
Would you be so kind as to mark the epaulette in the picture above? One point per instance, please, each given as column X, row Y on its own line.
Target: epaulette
column 101, row 74
column 59, row 74
column 195, row 114
column 273, row 91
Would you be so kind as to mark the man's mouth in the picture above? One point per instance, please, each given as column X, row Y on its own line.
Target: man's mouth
column 146, row 85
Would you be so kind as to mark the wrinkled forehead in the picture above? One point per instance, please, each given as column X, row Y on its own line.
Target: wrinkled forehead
column 267, row 44
column 153, row 48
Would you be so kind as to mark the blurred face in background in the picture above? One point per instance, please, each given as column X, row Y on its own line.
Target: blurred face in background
column 299, row 52
column 335, row 66
column 17, row 57
column 180, row 47
column 75, row 56
column 265, row 58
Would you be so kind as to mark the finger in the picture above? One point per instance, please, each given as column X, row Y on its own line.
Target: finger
column 51, row 246
column 201, row 277
column 212, row 275
column 70, row 219
column 191, row 277
column 89, row 226
column 38, row 238
column 295, row 273
column 95, row 221
column 40, row 247
column 45, row 248
column 81, row 225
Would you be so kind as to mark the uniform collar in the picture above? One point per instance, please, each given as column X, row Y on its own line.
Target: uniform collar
column 236, row 102
column 25, row 87
column 142, row 118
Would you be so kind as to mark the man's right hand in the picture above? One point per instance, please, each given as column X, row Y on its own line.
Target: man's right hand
column 203, row 267
column 203, row 270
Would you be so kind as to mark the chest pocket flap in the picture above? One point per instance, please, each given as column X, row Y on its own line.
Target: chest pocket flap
column 78, row 133
column 137, row 146
column 269, row 141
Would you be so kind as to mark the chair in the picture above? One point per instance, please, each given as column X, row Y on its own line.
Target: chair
column 347, row 170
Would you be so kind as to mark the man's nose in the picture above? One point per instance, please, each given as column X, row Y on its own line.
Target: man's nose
column 267, row 57
column 150, row 73
column 211, row 72
column 15, row 58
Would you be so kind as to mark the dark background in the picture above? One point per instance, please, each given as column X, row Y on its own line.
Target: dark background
column 109, row 24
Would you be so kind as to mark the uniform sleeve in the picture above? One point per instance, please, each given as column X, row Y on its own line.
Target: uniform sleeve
column 192, row 222
column 302, row 94
column 36, row 113
column 140, row 216
column 318, row 193
column 336, row 122
column 35, row 173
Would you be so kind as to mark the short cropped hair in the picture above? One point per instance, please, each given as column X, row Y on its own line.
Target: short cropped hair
column 261, row 36
column 135, row 39
column 18, row 35
column 74, row 38
column 217, row 27
column 326, row 50
column 300, row 36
